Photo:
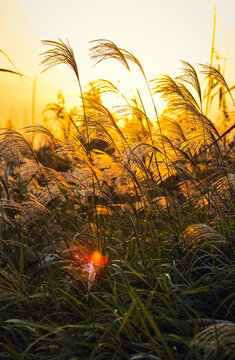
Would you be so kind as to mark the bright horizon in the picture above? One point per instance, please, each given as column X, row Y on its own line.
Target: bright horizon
column 159, row 34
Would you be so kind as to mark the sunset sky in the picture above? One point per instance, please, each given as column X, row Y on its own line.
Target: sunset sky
column 159, row 33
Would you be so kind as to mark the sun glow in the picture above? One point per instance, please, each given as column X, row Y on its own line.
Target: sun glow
column 158, row 45
column 83, row 264
column 97, row 259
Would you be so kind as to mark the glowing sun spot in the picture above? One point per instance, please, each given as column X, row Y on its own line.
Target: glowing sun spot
column 97, row 258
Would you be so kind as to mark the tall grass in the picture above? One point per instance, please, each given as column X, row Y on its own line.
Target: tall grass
column 156, row 196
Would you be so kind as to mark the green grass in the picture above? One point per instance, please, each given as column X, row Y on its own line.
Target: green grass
column 156, row 197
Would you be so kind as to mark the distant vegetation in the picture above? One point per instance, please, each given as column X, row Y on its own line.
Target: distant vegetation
column 156, row 196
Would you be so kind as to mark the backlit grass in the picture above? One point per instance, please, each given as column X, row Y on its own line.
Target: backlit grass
column 155, row 197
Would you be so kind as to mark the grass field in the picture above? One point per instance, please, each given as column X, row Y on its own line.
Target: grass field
column 154, row 196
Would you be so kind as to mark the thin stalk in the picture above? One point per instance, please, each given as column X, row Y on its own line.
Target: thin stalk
column 211, row 62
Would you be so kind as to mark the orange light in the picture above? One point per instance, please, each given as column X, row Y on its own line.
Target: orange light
column 97, row 258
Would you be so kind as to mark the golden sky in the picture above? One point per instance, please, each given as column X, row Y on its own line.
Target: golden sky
column 159, row 33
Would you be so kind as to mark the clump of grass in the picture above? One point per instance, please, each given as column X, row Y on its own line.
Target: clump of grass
column 216, row 341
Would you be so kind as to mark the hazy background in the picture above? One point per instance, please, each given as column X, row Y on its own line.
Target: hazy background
column 159, row 33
